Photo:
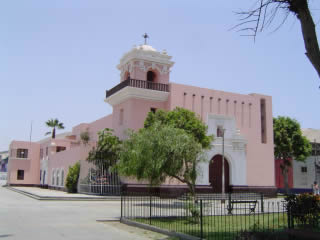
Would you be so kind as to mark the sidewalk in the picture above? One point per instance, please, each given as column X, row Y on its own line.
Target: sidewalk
column 48, row 194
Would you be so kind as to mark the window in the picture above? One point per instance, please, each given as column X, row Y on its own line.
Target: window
column 52, row 178
column 220, row 131
column 41, row 153
column 44, row 177
column 263, row 121
column 150, row 76
column 60, row 148
column 315, row 149
column 62, row 177
column 57, row 177
column 304, row 169
column 40, row 174
column 22, row 153
column 47, row 151
column 121, row 117
column 153, row 110
column 20, row 175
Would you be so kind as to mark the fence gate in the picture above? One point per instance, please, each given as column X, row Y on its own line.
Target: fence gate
column 101, row 181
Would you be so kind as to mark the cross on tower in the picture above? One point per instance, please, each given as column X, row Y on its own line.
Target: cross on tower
column 145, row 36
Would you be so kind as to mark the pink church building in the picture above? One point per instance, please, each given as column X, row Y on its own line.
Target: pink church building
column 145, row 86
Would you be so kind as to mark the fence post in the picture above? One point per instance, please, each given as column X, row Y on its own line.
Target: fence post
column 150, row 208
column 289, row 217
column 229, row 204
column 121, row 205
column 262, row 206
column 201, row 220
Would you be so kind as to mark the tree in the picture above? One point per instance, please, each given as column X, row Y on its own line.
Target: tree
column 266, row 11
column 161, row 151
column 54, row 123
column 183, row 119
column 72, row 178
column 106, row 153
column 289, row 144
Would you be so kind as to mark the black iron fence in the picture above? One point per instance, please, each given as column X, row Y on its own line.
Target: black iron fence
column 211, row 216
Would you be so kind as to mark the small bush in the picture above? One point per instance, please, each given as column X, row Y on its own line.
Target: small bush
column 85, row 137
column 72, row 178
column 304, row 209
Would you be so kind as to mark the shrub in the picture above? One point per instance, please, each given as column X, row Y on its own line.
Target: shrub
column 85, row 137
column 72, row 178
column 304, row 209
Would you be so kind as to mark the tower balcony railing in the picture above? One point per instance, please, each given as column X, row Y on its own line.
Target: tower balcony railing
column 138, row 84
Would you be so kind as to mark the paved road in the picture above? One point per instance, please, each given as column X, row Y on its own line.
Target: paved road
column 25, row 218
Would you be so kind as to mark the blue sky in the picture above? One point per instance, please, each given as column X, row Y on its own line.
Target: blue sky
column 57, row 58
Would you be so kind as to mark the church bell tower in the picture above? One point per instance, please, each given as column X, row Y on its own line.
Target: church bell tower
column 144, row 87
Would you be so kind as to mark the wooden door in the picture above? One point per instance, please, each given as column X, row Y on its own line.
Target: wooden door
column 215, row 174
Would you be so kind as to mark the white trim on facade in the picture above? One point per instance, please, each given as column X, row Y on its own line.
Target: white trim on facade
column 139, row 93
column 234, row 150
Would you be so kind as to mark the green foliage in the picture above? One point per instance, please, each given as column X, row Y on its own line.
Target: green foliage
column 54, row 124
column 161, row 151
column 183, row 119
column 289, row 143
column 288, row 140
column 72, row 178
column 194, row 209
column 85, row 137
column 304, row 209
column 106, row 153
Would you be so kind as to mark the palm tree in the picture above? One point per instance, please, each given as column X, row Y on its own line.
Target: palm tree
column 54, row 123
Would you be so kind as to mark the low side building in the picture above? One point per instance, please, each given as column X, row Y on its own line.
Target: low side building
column 306, row 173
column 302, row 175
column 45, row 163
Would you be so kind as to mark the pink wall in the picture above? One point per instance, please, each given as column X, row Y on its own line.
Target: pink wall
column 135, row 112
column 74, row 153
column 246, row 110
column 93, row 128
column 98, row 125
column 30, row 165
column 52, row 144
column 63, row 160
column 140, row 74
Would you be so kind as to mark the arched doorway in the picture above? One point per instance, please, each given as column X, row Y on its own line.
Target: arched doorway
column 151, row 76
column 215, row 174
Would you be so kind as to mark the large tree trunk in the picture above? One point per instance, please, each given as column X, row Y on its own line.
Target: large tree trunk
column 301, row 9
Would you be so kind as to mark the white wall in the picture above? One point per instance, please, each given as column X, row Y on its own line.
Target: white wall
column 305, row 180
column 234, row 150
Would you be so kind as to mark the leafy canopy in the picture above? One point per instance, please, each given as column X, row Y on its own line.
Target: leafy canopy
column 106, row 153
column 54, row 124
column 160, row 151
column 288, row 140
column 183, row 119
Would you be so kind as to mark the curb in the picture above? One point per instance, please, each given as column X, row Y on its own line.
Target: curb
column 46, row 198
column 158, row 230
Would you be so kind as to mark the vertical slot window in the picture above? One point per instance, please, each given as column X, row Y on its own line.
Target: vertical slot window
column 121, row 117
column 263, row 121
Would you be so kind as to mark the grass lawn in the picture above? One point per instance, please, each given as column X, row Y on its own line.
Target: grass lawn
column 221, row 227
